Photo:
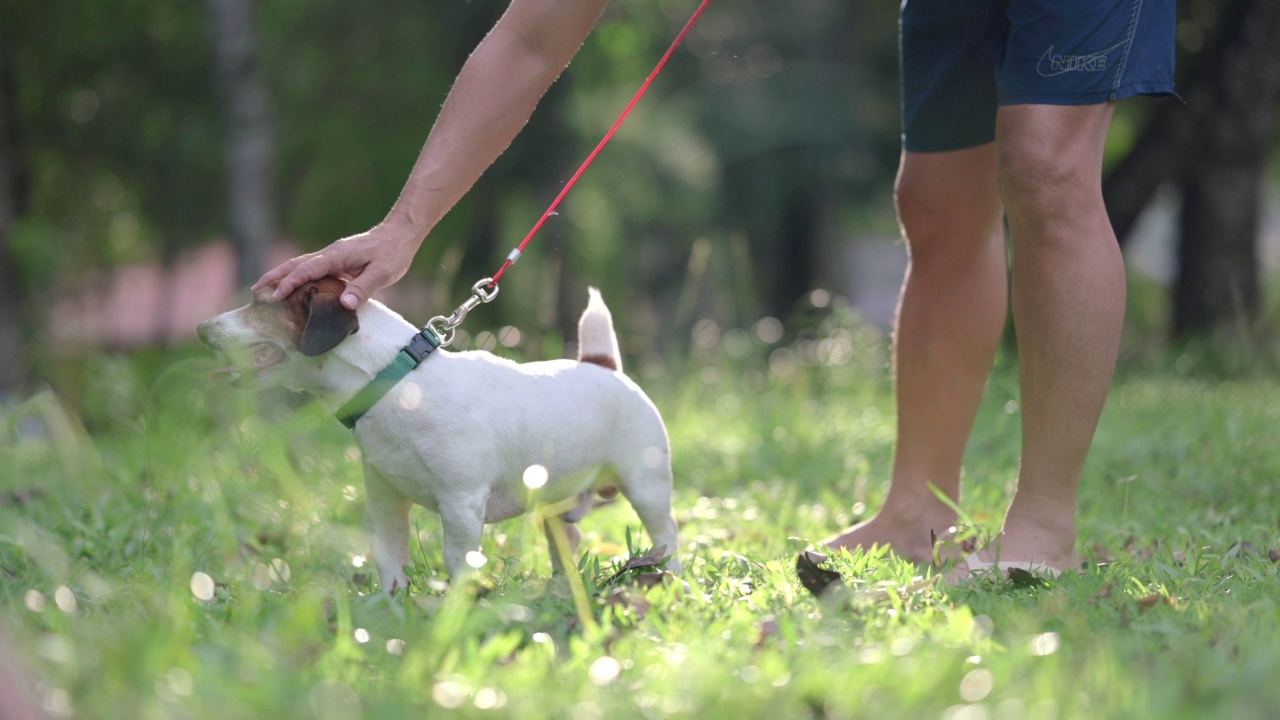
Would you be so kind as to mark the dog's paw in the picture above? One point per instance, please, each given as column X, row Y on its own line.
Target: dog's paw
column 395, row 584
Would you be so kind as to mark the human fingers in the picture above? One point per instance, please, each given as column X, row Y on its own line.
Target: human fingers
column 273, row 276
column 310, row 268
column 361, row 287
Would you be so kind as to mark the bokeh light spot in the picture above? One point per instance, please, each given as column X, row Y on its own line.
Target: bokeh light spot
column 179, row 682
column 509, row 336
column 332, row 700
column 84, row 106
column 410, row 396
column 604, row 671
column 261, row 576
column 769, row 330
column 65, row 599
column 202, row 586
column 1044, row 643
column 280, row 571
column 976, row 685
column 450, row 694
column 490, row 699
column 706, row 333
column 535, row 476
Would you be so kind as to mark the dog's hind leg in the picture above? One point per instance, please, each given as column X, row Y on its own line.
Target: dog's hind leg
column 649, row 492
column 386, row 517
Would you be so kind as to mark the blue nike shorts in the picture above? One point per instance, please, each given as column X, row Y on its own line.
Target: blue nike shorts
column 961, row 59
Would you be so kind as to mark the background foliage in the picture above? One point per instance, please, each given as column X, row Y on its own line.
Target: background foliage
column 765, row 149
column 168, row 549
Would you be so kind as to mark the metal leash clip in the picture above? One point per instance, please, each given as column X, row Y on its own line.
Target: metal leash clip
column 482, row 292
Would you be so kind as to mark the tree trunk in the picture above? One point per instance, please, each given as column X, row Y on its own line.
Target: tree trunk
column 1175, row 139
column 1218, row 276
column 14, row 362
column 796, row 252
column 1218, row 286
column 1131, row 185
column 251, row 198
column 1215, row 147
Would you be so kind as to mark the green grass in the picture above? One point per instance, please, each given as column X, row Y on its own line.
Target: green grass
column 101, row 546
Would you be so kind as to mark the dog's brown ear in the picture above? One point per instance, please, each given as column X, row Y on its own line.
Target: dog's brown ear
column 325, row 322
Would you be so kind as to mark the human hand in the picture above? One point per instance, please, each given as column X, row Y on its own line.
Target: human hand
column 371, row 260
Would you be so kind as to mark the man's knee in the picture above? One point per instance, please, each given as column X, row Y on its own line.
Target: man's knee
column 1050, row 158
column 1031, row 178
column 919, row 215
column 938, row 211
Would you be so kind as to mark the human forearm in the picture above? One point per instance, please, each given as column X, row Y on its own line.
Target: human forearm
column 490, row 102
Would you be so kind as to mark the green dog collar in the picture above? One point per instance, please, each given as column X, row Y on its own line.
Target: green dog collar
column 409, row 357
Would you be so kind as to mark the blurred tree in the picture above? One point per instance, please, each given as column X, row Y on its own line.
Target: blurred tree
column 14, row 362
column 126, row 149
column 119, row 112
column 1218, row 277
column 800, row 105
column 1215, row 148
column 357, row 88
column 764, row 143
column 250, row 158
column 762, row 146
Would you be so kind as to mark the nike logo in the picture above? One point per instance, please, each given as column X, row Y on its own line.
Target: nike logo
column 1051, row 64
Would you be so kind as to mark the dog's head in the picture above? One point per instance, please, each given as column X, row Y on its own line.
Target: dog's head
column 270, row 339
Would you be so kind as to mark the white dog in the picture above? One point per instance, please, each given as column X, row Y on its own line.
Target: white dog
column 458, row 432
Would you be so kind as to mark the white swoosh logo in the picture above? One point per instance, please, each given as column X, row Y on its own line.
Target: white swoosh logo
column 1076, row 63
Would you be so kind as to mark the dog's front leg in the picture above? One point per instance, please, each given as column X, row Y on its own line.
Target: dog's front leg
column 386, row 517
column 462, row 519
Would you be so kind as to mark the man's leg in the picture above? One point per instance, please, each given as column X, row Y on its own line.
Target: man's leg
column 1068, row 308
column 950, row 316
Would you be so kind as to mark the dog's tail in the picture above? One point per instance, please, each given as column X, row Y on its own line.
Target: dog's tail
column 597, row 342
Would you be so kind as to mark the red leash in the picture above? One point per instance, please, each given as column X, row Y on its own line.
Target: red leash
column 515, row 254
column 439, row 330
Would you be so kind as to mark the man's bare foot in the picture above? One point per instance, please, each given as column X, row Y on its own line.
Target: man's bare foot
column 911, row 538
column 1032, row 550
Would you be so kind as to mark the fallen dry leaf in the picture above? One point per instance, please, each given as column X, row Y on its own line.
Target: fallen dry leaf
column 629, row 600
column 1145, row 553
column 766, row 629
column 267, row 539
column 654, row 558
column 963, row 540
column 1024, row 578
column 18, row 498
column 1274, row 555
column 1150, row 601
column 1101, row 554
column 1242, row 549
column 815, row 579
column 651, row 579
